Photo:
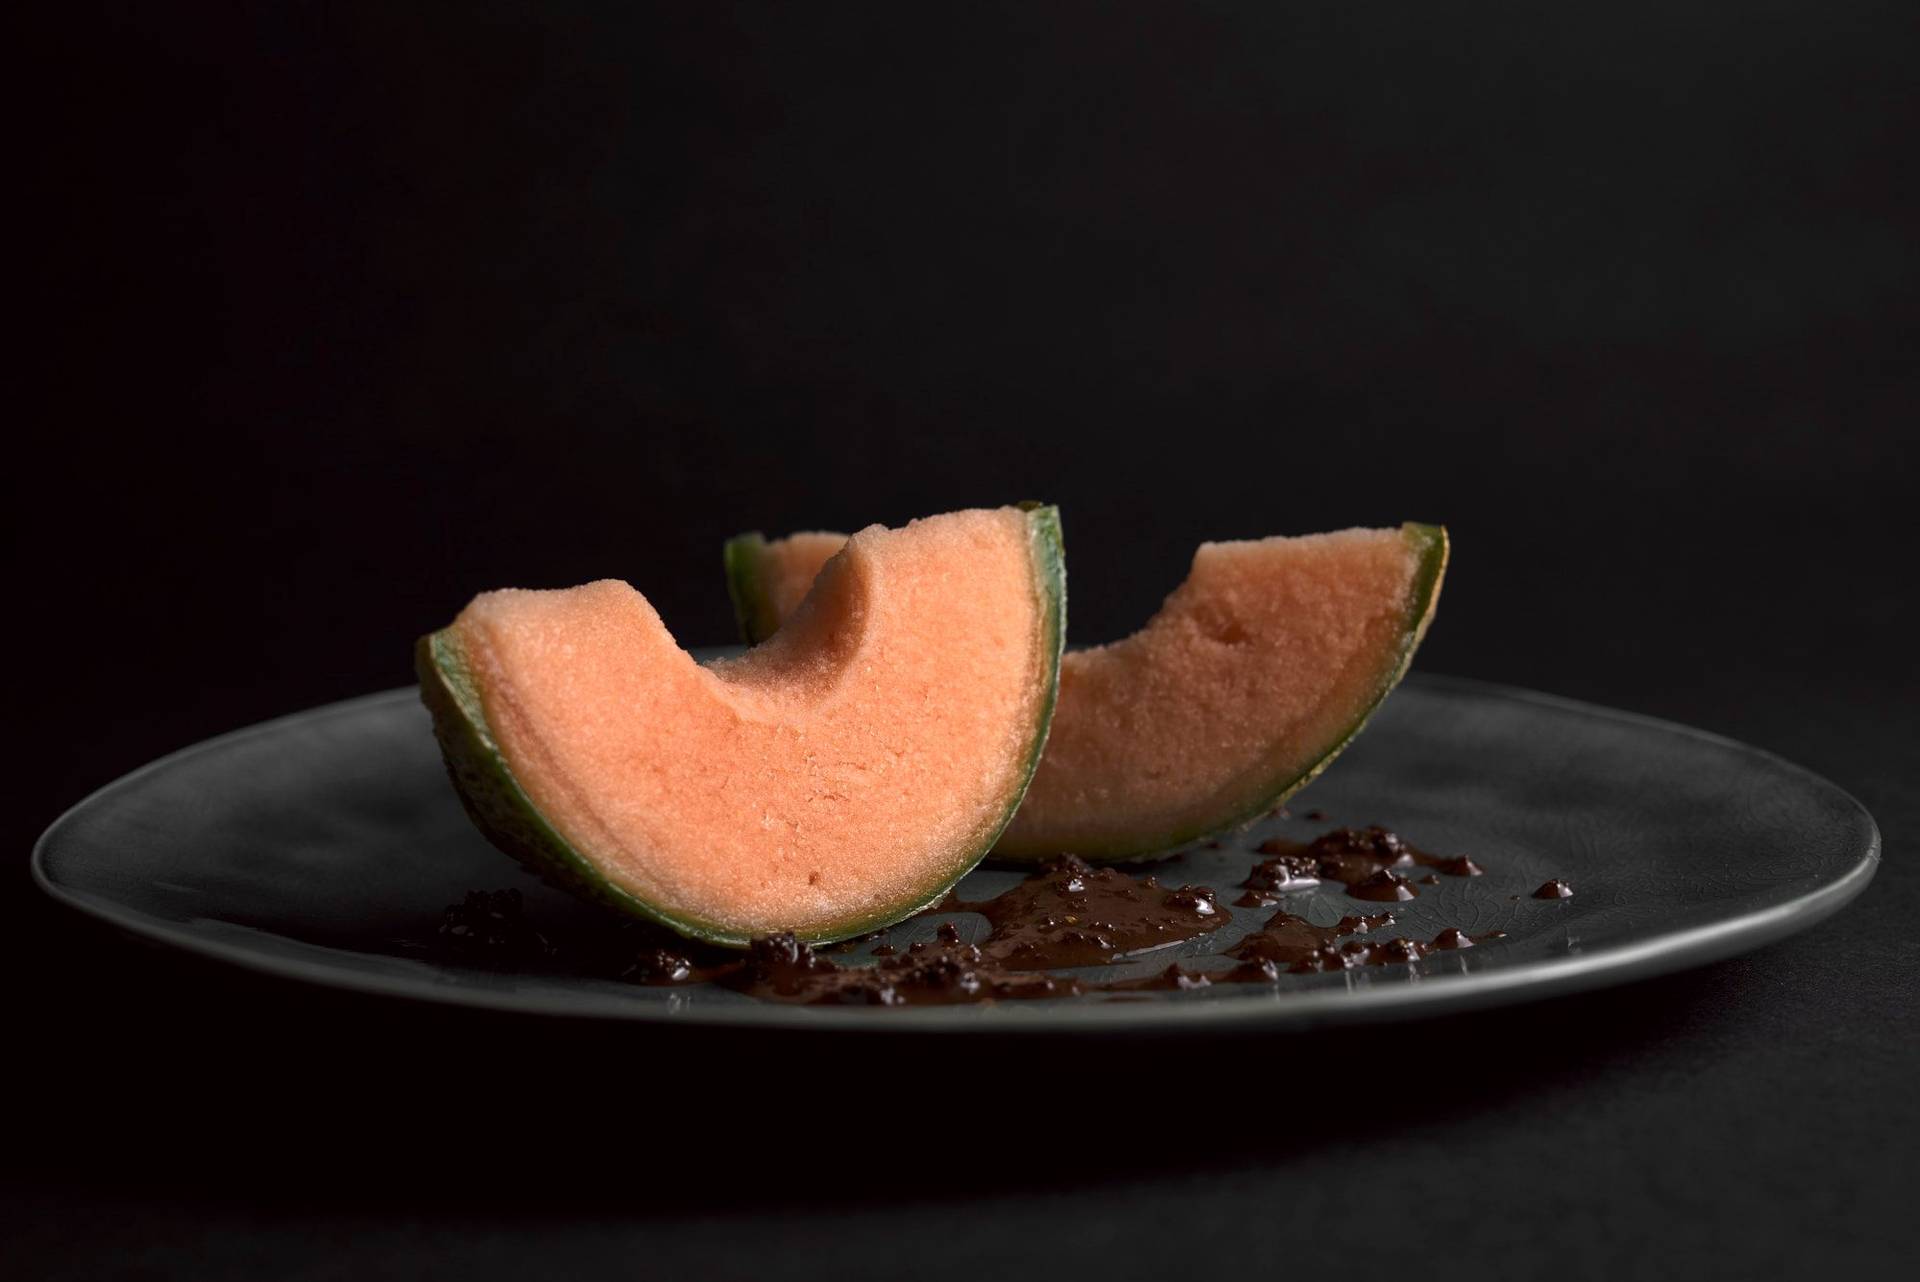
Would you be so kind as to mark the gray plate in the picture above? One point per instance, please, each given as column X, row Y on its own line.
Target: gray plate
column 324, row 845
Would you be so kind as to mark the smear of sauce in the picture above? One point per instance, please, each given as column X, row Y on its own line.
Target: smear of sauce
column 1068, row 914
column 1072, row 914
column 1364, row 860
column 491, row 926
column 943, row 972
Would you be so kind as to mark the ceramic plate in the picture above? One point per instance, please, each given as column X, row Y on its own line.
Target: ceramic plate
column 324, row 846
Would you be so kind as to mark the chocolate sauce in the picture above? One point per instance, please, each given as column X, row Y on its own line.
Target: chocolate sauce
column 668, row 966
column 1174, row 979
column 1289, row 944
column 491, row 926
column 944, row 972
column 1289, row 870
column 1384, row 887
column 948, row 971
column 1296, row 944
column 1072, row 914
column 1555, row 889
column 1067, row 915
column 1359, row 858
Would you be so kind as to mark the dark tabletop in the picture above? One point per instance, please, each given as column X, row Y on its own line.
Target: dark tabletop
column 346, row 312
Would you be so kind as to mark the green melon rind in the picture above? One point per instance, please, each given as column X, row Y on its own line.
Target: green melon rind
column 745, row 556
column 503, row 812
column 1431, row 544
column 1049, row 550
column 497, row 804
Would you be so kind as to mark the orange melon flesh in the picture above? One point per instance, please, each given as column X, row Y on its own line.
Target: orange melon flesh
column 1254, row 674
column 835, row 779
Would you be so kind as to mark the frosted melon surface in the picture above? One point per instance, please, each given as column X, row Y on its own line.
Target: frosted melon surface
column 847, row 770
column 1252, row 675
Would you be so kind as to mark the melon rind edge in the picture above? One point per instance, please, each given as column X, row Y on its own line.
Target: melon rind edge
column 1049, row 552
column 1432, row 545
column 745, row 558
column 500, row 807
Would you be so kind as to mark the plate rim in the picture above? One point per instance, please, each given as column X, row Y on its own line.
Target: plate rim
column 1605, row 966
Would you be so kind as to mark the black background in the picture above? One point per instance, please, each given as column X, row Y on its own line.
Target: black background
column 340, row 313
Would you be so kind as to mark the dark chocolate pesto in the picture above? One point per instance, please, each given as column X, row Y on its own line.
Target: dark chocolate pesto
column 1361, row 859
column 943, row 972
column 1072, row 914
column 491, row 926
column 1069, row 914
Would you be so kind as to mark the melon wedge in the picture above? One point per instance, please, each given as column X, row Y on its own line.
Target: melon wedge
column 1256, row 672
column 830, row 782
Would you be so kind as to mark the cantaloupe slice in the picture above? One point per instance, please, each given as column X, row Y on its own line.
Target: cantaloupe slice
column 830, row 782
column 1253, row 676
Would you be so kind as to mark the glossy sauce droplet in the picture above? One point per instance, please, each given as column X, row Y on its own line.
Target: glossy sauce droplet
column 1070, row 914
column 1383, row 887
